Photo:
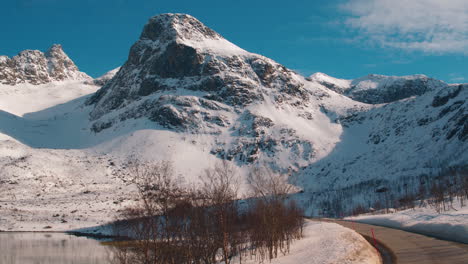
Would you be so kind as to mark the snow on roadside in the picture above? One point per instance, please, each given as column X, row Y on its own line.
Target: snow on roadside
column 328, row 243
column 449, row 225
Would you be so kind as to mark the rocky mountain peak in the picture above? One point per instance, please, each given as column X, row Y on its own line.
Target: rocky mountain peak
column 56, row 50
column 176, row 53
column 36, row 67
column 169, row 27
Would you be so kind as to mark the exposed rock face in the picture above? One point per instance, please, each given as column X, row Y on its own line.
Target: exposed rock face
column 36, row 67
column 177, row 51
column 378, row 89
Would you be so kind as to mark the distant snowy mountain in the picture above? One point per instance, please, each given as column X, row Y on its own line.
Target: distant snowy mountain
column 378, row 89
column 188, row 95
column 36, row 67
column 337, row 85
column 102, row 80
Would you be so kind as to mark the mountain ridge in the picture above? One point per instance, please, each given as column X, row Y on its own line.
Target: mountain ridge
column 379, row 89
column 36, row 67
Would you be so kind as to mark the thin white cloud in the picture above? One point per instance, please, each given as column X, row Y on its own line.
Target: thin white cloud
column 457, row 78
column 436, row 26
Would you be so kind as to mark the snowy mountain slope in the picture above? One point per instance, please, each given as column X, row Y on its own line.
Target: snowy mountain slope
column 378, row 89
column 395, row 147
column 59, row 189
column 36, row 67
column 49, row 187
column 188, row 95
column 26, row 98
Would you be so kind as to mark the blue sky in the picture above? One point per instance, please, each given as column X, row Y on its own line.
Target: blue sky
column 343, row 38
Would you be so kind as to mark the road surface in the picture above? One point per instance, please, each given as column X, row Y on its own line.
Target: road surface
column 411, row 248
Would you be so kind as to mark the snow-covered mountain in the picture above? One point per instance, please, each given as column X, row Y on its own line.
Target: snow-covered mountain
column 185, row 77
column 188, row 95
column 36, row 67
column 378, row 89
column 391, row 150
column 103, row 79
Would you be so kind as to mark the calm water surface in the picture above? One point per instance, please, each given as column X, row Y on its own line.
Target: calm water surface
column 50, row 248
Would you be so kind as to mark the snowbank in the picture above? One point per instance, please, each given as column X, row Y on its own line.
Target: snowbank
column 328, row 243
column 450, row 225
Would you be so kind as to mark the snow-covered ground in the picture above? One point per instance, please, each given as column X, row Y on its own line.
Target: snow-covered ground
column 325, row 243
column 450, row 225
column 60, row 189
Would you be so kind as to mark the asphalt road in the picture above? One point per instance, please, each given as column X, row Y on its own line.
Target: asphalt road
column 411, row 248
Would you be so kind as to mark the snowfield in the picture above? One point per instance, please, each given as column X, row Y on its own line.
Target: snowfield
column 26, row 98
column 449, row 225
column 45, row 188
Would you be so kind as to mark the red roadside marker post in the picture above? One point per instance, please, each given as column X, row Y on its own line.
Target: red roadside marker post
column 373, row 236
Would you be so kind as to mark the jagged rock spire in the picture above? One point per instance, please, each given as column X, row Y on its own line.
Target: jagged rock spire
column 36, row 67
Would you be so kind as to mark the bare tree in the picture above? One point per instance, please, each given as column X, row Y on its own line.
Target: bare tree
column 220, row 187
column 267, row 184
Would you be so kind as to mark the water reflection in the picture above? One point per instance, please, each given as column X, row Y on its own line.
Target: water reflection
column 50, row 248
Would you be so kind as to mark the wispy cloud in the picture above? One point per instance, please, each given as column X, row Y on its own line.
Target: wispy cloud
column 434, row 26
column 457, row 78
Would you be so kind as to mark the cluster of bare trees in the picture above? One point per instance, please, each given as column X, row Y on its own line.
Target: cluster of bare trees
column 451, row 184
column 439, row 191
column 274, row 222
column 208, row 224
